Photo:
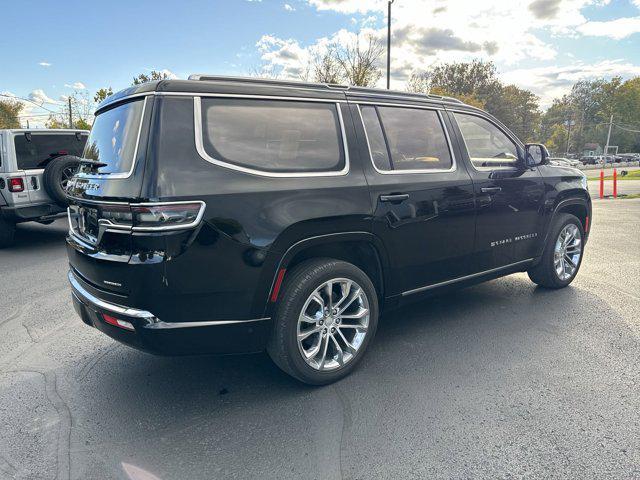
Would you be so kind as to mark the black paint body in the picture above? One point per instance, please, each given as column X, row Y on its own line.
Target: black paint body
column 224, row 269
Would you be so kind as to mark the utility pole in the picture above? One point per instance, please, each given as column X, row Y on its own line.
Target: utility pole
column 569, row 124
column 389, row 43
column 70, row 117
column 606, row 147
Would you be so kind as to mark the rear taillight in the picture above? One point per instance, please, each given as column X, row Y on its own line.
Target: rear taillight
column 117, row 215
column 16, row 185
column 116, row 322
column 167, row 216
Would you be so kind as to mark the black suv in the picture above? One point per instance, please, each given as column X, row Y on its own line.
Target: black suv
column 226, row 215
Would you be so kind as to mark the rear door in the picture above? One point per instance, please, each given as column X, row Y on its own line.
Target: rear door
column 422, row 196
column 508, row 194
column 34, row 150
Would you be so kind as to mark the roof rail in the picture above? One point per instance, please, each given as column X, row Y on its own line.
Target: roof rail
column 331, row 86
column 274, row 81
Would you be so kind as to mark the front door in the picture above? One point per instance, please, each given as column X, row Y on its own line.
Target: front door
column 508, row 193
column 423, row 200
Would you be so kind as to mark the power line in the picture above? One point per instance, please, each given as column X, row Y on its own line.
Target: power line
column 30, row 101
column 626, row 129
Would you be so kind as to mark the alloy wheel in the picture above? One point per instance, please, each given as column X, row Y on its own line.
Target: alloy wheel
column 567, row 252
column 333, row 324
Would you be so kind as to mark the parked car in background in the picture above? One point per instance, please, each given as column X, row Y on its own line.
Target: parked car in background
column 565, row 162
column 227, row 215
column 589, row 160
column 35, row 166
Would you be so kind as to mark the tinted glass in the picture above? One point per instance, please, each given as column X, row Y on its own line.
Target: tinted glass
column 274, row 136
column 114, row 136
column 416, row 139
column 40, row 148
column 488, row 147
column 377, row 145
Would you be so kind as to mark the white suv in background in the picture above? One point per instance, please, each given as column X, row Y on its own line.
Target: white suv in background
column 35, row 166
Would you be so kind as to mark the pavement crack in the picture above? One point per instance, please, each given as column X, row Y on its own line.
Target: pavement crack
column 64, row 427
column 94, row 361
column 346, row 421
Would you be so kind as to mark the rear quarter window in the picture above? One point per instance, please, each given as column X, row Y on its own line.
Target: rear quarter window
column 273, row 136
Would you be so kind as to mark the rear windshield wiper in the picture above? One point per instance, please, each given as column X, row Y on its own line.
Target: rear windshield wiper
column 93, row 164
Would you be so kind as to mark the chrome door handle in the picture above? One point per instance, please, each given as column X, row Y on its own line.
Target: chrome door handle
column 491, row 189
column 394, row 197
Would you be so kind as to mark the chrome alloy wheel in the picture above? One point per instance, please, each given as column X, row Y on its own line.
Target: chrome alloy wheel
column 67, row 173
column 333, row 324
column 567, row 252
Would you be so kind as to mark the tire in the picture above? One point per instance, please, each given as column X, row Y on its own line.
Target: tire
column 57, row 172
column 295, row 299
column 7, row 233
column 547, row 273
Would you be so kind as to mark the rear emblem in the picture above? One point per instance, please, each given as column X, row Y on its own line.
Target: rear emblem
column 115, row 284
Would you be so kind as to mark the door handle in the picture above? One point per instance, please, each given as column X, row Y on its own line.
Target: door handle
column 491, row 189
column 394, row 197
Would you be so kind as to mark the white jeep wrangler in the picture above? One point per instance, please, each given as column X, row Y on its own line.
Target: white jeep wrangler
column 35, row 166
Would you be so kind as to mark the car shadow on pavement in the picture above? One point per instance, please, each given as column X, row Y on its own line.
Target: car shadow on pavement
column 31, row 235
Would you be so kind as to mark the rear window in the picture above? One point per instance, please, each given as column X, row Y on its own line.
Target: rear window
column 273, row 136
column 35, row 150
column 114, row 137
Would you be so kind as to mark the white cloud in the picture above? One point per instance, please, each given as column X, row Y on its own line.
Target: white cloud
column 44, row 64
column 616, row 29
column 289, row 8
column 554, row 81
column 76, row 86
column 40, row 97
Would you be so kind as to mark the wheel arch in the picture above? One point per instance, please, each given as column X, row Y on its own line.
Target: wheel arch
column 363, row 249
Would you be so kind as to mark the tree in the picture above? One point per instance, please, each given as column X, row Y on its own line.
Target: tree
column 9, row 113
column 519, row 110
column 477, row 79
column 81, row 112
column 325, row 67
column 102, row 94
column 143, row 78
column 360, row 63
column 419, row 82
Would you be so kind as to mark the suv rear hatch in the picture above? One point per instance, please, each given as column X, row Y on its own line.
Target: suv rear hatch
column 100, row 216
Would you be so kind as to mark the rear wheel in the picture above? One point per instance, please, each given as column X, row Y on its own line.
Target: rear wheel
column 325, row 320
column 7, row 233
column 562, row 254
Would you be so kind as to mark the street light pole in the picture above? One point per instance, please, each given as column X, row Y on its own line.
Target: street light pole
column 389, row 43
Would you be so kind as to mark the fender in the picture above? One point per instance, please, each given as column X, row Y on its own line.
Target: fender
column 270, row 274
column 575, row 200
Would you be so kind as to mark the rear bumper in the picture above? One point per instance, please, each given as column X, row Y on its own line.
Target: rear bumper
column 153, row 335
column 31, row 212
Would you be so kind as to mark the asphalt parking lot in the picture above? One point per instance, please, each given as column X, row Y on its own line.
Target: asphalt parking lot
column 501, row 380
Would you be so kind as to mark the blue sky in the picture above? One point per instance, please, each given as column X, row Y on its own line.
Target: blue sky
column 50, row 47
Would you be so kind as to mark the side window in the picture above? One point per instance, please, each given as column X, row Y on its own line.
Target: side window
column 488, row 147
column 273, row 136
column 415, row 139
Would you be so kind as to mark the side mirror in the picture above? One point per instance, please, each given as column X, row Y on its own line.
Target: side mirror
column 535, row 154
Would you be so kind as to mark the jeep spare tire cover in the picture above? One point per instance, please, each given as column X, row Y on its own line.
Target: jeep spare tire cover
column 57, row 175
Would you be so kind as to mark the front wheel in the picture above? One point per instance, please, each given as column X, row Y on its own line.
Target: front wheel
column 562, row 254
column 326, row 317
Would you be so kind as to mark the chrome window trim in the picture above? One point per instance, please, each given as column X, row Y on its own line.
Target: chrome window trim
column 404, row 105
column 122, row 175
column 454, row 164
column 466, row 277
column 199, row 139
column 251, row 96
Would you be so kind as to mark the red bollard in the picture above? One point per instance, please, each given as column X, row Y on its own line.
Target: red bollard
column 615, row 183
column 601, row 183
